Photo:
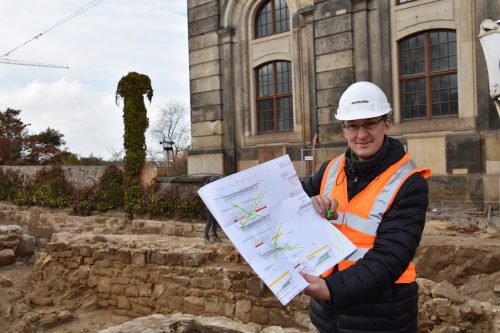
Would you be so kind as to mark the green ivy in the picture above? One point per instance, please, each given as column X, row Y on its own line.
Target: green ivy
column 131, row 88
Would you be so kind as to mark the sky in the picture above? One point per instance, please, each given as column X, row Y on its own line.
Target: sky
column 100, row 46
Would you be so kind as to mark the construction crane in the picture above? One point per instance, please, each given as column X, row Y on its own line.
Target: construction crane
column 5, row 60
column 29, row 63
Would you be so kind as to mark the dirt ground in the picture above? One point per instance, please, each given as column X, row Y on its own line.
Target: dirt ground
column 465, row 238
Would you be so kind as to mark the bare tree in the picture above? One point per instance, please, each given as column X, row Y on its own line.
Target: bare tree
column 174, row 126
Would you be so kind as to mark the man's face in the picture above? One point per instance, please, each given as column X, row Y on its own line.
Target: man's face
column 366, row 136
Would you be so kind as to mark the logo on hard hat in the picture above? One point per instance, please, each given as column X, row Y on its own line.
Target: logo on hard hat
column 359, row 102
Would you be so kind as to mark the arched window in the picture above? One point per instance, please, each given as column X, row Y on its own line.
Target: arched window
column 272, row 18
column 428, row 75
column 274, row 97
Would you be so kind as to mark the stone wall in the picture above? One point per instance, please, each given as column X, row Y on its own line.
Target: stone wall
column 145, row 274
column 79, row 176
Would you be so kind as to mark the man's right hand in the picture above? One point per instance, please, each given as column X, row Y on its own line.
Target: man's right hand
column 323, row 203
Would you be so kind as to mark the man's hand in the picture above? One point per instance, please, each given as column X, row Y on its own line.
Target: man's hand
column 323, row 203
column 317, row 287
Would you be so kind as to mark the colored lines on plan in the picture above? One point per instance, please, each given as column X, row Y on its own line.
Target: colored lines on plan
column 320, row 255
column 283, row 284
column 272, row 247
column 253, row 216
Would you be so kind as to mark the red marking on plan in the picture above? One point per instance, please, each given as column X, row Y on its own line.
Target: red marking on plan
column 259, row 244
column 261, row 208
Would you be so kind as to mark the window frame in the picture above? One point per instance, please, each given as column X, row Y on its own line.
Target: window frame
column 273, row 19
column 274, row 97
column 428, row 75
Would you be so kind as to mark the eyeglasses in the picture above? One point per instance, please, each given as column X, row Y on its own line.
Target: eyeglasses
column 368, row 126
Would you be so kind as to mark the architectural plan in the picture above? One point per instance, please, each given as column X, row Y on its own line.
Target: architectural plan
column 273, row 224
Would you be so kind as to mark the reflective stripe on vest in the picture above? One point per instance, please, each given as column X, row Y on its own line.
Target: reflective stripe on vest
column 359, row 218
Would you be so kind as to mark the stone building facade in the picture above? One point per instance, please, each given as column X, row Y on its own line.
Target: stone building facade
column 266, row 76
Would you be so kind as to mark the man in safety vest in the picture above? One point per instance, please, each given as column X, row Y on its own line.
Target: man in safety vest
column 380, row 200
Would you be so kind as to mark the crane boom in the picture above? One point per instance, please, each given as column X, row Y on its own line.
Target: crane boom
column 29, row 63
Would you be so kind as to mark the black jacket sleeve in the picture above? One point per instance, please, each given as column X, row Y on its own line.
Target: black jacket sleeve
column 312, row 185
column 398, row 236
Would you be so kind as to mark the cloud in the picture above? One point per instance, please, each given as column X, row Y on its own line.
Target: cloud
column 100, row 46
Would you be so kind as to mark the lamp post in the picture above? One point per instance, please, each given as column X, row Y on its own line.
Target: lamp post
column 167, row 147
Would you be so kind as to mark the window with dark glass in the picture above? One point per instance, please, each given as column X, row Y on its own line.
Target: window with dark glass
column 274, row 97
column 428, row 75
column 399, row 2
column 272, row 18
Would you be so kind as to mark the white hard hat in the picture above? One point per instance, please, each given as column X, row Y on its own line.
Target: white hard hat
column 362, row 100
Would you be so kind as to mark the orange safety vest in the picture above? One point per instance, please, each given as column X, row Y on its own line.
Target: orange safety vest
column 359, row 218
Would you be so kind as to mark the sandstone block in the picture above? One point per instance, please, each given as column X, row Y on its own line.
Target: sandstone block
column 159, row 257
column 158, row 289
column 64, row 316
column 201, row 282
column 120, row 280
column 145, row 289
column 193, row 259
column 260, row 315
column 102, row 303
column 212, row 305
column 60, row 246
column 41, row 300
column 105, row 263
column 124, row 256
column 279, row 316
column 228, row 309
column 243, row 310
column 123, row 303
column 48, row 321
column 446, row 290
column 138, row 257
column 149, row 302
column 71, row 265
column 117, row 289
column 140, row 273
column 174, row 258
column 254, row 286
column 9, row 241
column 182, row 280
column 104, row 285
column 239, row 286
column 222, row 282
column 132, row 291
column 195, row 301
column 5, row 283
column 7, row 257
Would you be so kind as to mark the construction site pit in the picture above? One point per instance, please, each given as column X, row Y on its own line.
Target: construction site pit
column 61, row 273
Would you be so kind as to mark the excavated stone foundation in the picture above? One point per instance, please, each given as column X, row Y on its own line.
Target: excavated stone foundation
column 145, row 267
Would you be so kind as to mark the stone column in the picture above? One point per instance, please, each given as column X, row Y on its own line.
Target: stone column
column 228, row 107
column 207, row 154
column 334, row 66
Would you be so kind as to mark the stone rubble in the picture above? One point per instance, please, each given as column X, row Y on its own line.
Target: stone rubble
column 14, row 244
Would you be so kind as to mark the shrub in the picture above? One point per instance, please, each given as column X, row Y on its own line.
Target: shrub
column 10, row 185
column 191, row 207
column 159, row 205
column 48, row 188
column 110, row 192
column 85, row 201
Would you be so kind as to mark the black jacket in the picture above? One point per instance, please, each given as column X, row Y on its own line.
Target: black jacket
column 364, row 296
